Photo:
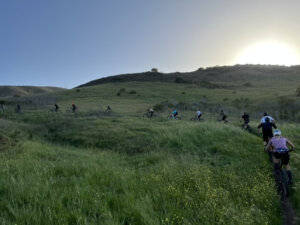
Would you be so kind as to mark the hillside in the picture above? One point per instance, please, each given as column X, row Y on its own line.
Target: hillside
column 117, row 167
column 212, row 77
column 8, row 91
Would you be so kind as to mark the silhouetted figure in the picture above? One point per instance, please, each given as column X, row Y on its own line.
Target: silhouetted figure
column 56, row 108
column 74, row 108
column 223, row 116
column 267, row 130
column 18, row 109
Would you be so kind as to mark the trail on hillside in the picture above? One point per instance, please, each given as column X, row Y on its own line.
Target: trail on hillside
column 288, row 213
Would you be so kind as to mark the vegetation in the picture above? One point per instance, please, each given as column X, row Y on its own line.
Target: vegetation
column 18, row 91
column 98, row 167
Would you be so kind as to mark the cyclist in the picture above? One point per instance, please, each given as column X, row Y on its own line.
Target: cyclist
column 266, row 115
column 199, row 114
column 278, row 144
column 223, row 116
column 108, row 108
column 56, row 108
column 150, row 111
column 2, row 107
column 73, row 108
column 267, row 130
column 18, row 108
column 174, row 114
column 246, row 119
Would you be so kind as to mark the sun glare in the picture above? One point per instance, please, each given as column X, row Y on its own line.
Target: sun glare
column 269, row 53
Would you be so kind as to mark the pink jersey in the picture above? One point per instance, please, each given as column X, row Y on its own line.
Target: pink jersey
column 278, row 143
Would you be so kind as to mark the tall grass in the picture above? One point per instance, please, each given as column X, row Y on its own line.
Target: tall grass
column 135, row 172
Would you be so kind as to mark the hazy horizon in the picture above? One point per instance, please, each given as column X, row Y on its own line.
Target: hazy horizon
column 68, row 43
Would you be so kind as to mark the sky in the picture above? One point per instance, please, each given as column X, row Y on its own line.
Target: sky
column 66, row 43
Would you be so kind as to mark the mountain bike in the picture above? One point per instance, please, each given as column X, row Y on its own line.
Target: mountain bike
column 148, row 115
column 221, row 120
column 174, row 118
column 282, row 180
column 246, row 127
column 195, row 118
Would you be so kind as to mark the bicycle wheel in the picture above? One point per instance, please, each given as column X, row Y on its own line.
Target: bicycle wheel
column 280, row 183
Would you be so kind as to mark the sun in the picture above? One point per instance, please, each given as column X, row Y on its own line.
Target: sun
column 271, row 53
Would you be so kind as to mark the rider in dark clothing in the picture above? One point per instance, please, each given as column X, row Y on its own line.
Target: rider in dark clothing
column 246, row 118
column 223, row 116
column 18, row 108
column 74, row 108
column 56, row 108
column 267, row 129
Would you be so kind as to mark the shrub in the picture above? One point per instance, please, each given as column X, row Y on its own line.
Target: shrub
column 122, row 90
column 248, row 84
column 179, row 80
column 132, row 92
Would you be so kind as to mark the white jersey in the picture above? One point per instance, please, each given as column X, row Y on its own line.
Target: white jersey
column 199, row 113
column 263, row 119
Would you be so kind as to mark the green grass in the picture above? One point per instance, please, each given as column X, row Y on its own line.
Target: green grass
column 164, row 172
column 95, row 167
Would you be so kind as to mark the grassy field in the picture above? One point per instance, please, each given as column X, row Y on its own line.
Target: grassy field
column 96, row 167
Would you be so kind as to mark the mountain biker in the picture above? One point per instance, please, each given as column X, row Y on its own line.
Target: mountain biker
column 2, row 107
column 108, row 108
column 246, row 119
column 18, row 108
column 266, row 115
column 150, row 111
column 174, row 114
column 278, row 144
column 73, row 108
column 56, row 107
column 223, row 116
column 267, row 130
column 199, row 114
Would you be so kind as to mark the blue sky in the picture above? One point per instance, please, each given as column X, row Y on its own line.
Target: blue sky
column 69, row 42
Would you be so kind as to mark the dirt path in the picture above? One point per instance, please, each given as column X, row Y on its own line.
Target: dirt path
column 289, row 214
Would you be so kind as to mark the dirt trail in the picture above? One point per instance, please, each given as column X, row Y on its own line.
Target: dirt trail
column 289, row 214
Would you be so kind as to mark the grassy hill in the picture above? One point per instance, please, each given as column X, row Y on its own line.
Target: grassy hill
column 216, row 77
column 17, row 91
column 99, row 167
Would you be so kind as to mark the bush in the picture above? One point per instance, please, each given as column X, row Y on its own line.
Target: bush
column 122, row 90
column 179, row 80
column 248, row 84
column 132, row 92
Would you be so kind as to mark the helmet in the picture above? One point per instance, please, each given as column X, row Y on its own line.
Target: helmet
column 265, row 113
column 277, row 132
